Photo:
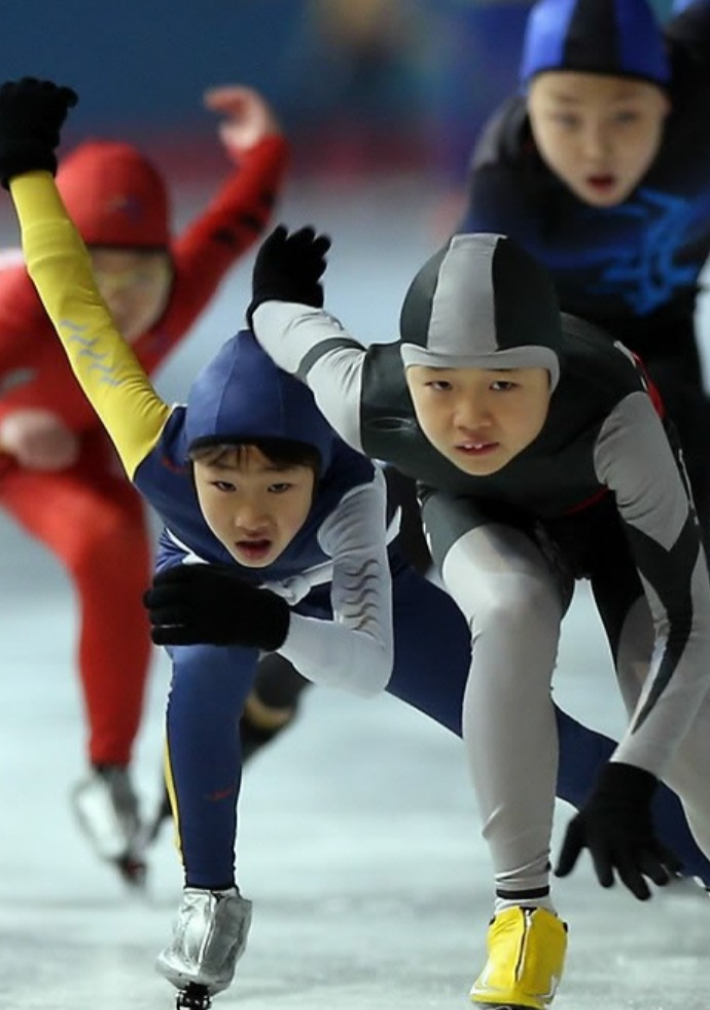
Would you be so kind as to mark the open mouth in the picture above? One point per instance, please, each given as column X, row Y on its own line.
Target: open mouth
column 254, row 550
column 602, row 183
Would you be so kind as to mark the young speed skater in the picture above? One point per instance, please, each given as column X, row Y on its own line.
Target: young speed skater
column 543, row 459
column 274, row 527
column 58, row 474
column 600, row 168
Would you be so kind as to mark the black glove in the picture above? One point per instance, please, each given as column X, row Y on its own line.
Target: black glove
column 191, row 604
column 31, row 114
column 288, row 268
column 615, row 825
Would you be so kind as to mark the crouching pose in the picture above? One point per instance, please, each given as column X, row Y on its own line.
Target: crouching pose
column 58, row 474
column 544, row 458
column 276, row 539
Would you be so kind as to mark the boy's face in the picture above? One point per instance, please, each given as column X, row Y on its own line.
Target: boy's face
column 480, row 419
column 135, row 285
column 255, row 508
column 599, row 134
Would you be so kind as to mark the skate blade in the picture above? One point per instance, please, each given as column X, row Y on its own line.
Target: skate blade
column 193, row 997
column 133, row 872
column 501, row 1006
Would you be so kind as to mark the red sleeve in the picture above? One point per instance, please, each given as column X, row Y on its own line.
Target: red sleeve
column 34, row 371
column 203, row 254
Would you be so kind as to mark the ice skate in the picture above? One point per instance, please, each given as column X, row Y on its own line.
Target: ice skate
column 209, row 937
column 526, row 954
column 106, row 809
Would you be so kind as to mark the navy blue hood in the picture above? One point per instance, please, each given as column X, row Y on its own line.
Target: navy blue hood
column 241, row 396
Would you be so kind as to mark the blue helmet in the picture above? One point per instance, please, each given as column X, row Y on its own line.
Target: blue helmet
column 621, row 38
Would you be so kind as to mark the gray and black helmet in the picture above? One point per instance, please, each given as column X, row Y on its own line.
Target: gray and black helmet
column 482, row 302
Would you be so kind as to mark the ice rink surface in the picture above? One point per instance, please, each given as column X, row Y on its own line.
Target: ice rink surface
column 359, row 841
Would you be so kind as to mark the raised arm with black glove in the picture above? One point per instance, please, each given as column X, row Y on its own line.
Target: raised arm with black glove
column 615, row 825
column 31, row 115
column 288, row 268
column 211, row 604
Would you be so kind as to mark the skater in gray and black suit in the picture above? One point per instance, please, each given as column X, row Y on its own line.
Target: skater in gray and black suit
column 544, row 458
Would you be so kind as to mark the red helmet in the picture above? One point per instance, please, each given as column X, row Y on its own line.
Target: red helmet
column 115, row 196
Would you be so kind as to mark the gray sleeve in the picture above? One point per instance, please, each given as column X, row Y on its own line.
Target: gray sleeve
column 355, row 650
column 634, row 459
column 314, row 347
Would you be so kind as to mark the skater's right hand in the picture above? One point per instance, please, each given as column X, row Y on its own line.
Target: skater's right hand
column 288, row 268
column 31, row 115
column 615, row 825
column 38, row 440
column 213, row 605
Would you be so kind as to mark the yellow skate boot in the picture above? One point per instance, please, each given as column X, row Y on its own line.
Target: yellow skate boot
column 526, row 955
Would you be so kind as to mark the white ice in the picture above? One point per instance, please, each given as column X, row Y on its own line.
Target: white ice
column 359, row 841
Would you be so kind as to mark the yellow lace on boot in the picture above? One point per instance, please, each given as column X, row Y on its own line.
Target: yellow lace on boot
column 526, row 955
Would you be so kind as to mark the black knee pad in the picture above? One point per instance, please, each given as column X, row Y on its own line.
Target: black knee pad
column 278, row 684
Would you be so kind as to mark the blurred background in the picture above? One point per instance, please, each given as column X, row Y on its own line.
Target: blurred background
column 360, row 84
column 381, row 99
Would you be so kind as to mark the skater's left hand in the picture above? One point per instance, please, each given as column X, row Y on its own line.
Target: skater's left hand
column 211, row 604
column 288, row 268
column 248, row 116
column 31, row 116
column 615, row 825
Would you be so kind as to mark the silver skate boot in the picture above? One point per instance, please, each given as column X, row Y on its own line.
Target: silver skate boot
column 106, row 808
column 209, row 937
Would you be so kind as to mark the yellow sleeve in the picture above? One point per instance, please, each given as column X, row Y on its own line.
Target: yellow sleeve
column 107, row 369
